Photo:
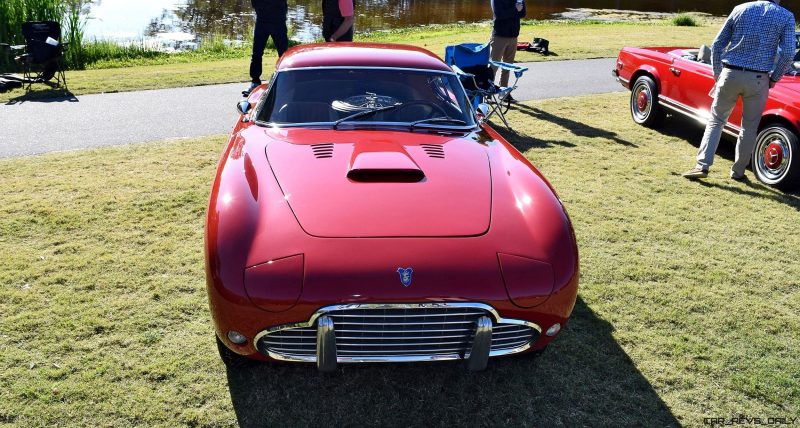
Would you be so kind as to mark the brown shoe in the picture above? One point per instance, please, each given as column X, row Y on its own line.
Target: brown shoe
column 696, row 172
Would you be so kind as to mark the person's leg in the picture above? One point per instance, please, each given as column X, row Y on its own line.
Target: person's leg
column 328, row 27
column 498, row 46
column 753, row 102
column 280, row 36
column 509, row 53
column 728, row 90
column 260, row 35
column 348, row 36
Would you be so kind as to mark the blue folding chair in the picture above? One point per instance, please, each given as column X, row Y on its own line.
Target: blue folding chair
column 472, row 64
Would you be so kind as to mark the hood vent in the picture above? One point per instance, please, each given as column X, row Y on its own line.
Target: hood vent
column 386, row 175
column 383, row 163
column 322, row 151
column 434, row 151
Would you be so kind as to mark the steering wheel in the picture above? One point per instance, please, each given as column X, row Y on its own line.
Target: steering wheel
column 367, row 101
column 433, row 105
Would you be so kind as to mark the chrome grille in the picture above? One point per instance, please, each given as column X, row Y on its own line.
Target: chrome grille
column 301, row 342
column 407, row 333
column 510, row 336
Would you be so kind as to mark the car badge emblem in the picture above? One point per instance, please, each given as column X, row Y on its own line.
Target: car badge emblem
column 405, row 276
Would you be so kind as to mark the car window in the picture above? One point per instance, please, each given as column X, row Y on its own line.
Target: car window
column 328, row 94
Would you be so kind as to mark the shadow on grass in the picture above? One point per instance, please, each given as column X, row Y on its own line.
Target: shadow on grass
column 523, row 141
column 49, row 95
column 584, row 378
column 754, row 190
column 691, row 132
column 577, row 128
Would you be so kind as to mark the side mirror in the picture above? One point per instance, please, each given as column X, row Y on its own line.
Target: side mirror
column 482, row 111
column 243, row 107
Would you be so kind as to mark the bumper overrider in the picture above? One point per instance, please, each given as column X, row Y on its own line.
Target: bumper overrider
column 615, row 72
column 358, row 333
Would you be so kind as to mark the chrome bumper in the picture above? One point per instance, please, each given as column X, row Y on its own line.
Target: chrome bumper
column 623, row 82
column 392, row 333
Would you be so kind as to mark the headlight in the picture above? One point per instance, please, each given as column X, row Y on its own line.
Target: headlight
column 528, row 282
column 275, row 285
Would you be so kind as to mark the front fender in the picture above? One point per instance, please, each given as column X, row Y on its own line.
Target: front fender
column 523, row 200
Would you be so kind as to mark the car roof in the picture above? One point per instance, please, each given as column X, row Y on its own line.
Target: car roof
column 360, row 55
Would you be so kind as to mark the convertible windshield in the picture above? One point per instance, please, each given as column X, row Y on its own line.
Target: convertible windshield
column 366, row 96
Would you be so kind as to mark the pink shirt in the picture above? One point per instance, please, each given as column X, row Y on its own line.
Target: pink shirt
column 346, row 7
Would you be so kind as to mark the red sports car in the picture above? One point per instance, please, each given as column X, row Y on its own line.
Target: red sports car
column 679, row 80
column 362, row 212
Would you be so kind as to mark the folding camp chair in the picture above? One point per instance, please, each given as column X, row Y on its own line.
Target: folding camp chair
column 472, row 64
column 43, row 57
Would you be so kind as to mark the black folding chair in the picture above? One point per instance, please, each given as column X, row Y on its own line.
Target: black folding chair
column 42, row 59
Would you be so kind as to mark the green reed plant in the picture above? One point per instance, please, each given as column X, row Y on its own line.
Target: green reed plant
column 14, row 12
column 684, row 20
column 73, row 29
column 107, row 50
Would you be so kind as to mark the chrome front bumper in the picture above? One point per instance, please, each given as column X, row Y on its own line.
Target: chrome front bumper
column 410, row 332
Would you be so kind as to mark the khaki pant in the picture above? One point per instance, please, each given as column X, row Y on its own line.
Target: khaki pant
column 503, row 49
column 754, row 89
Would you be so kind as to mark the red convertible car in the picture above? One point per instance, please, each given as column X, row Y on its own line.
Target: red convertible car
column 362, row 212
column 679, row 80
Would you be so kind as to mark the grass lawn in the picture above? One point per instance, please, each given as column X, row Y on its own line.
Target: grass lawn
column 570, row 40
column 689, row 303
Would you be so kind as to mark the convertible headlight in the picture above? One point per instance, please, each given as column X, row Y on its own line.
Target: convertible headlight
column 528, row 282
column 275, row 285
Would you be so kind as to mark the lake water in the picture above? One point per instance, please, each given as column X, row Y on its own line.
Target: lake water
column 187, row 19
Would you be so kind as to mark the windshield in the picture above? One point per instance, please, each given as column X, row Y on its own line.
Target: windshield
column 349, row 96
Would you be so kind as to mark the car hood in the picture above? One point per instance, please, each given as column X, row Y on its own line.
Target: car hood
column 368, row 183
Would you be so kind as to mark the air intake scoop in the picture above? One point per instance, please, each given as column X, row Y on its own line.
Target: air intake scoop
column 383, row 163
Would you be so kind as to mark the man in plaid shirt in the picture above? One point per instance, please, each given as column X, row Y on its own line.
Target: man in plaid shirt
column 752, row 51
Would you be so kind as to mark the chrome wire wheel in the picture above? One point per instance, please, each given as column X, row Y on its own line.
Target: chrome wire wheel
column 773, row 156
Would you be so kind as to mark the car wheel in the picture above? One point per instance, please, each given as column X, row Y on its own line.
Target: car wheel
column 232, row 359
column 645, row 109
column 775, row 157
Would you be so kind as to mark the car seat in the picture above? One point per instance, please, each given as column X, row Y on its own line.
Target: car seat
column 704, row 54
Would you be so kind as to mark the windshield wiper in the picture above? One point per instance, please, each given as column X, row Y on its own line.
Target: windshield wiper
column 438, row 119
column 365, row 113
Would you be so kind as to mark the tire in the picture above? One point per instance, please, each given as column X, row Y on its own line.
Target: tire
column 776, row 157
column 232, row 359
column 645, row 108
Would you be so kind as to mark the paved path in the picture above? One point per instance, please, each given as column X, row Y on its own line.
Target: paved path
column 34, row 127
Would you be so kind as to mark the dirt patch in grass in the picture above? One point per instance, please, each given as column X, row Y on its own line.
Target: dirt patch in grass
column 631, row 16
